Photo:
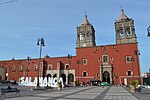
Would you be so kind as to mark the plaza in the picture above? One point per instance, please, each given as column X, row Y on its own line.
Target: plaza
column 77, row 93
column 46, row 45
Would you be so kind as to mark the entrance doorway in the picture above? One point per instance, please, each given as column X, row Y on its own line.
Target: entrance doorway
column 63, row 77
column 70, row 78
column 106, row 77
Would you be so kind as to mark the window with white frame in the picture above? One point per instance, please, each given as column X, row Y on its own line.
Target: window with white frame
column 49, row 67
column 84, row 61
column 105, row 58
column 20, row 68
column 67, row 66
column 129, row 73
column 128, row 59
column 35, row 67
column 13, row 68
column 84, row 74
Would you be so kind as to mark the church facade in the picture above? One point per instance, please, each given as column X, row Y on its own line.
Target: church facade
column 116, row 63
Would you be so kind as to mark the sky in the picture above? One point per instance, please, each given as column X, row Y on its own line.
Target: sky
column 22, row 22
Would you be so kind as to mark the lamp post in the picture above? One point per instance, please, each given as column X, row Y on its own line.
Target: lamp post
column 148, row 31
column 69, row 57
column 40, row 42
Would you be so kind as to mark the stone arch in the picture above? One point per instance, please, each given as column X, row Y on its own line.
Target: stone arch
column 63, row 77
column 49, row 75
column 106, row 77
column 55, row 75
column 70, row 78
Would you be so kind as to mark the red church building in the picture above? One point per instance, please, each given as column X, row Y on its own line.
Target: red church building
column 115, row 63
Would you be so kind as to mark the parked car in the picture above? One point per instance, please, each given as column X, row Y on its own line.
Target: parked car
column 104, row 84
column 94, row 82
column 146, row 86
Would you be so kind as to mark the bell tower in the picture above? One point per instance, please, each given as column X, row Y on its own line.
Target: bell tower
column 85, row 34
column 125, row 31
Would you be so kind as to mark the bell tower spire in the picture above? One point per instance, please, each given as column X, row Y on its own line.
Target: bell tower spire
column 85, row 34
column 125, row 31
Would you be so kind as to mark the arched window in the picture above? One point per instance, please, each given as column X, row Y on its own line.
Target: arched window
column 49, row 67
column 13, row 68
column 105, row 58
column 70, row 78
column 35, row 67
column 81, row 36
column 84, row 61
column 67, row 66
column 20, row 68
column 128, row 59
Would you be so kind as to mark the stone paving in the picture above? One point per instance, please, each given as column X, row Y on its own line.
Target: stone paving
column 119, row 93
column 82, row 93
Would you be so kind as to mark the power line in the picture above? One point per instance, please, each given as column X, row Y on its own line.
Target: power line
column 6, row 2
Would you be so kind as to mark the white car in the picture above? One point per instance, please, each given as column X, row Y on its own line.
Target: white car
column 146, row 86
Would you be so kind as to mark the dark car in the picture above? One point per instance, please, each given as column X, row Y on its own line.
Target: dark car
column 94, row 82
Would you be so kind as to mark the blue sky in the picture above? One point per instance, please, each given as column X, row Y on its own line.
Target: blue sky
column 22, row 22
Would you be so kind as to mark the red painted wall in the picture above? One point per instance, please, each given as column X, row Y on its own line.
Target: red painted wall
column 118, row 53
column 92, row 54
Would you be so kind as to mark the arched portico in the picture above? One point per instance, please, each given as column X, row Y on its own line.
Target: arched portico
column 63, row 77
column 49, row 75
column 55, row 75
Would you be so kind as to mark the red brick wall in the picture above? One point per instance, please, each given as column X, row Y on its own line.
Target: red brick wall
column 119, row 53
column 92, row 54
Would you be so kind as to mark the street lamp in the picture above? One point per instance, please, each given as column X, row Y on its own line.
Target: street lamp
column 69, row 57
column 148, row 30
column 40, row 42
